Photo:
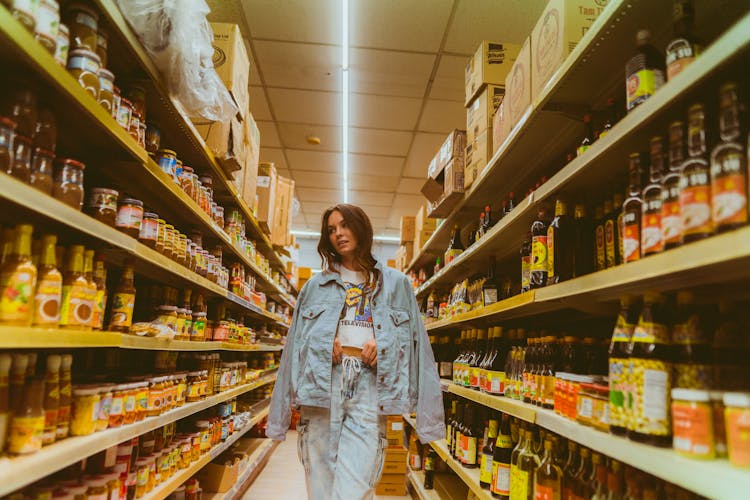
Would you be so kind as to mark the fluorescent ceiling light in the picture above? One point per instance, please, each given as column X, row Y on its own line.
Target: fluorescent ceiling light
column 345, row 98
column 315, row 234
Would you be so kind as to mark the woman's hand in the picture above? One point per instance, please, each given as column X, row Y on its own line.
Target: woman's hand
column 370, row 353
column 337, row 351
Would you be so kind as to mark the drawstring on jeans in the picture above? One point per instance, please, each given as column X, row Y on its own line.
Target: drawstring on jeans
column 350, row 368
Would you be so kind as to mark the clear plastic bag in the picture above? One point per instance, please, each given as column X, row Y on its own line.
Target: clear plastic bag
column 177, row 36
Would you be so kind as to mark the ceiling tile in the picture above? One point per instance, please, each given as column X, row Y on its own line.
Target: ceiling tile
column 375, row 212
column 370, row 198
column 259, row 105
column 295, row 20
column 385, row 184
column 306, row 106
column 443, row 116
column 387, row 72
column 295, row 136
column 374, row 165
column 299, row 65
column 309, row 178
column 319, row 195
column 318, row 161
column 449, row 82
column 508, row 21
column 268, row 135
column 284, row 172
column 407, row 204
column 315, row 210
column 254, row 74
column 274, row 155
column 395, row 24
column 422, row 151
column 376, row 141
column 378, row 225
column 409, row 185
column 392, row 113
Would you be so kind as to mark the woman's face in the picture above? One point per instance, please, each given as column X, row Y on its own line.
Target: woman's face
column 341, row 237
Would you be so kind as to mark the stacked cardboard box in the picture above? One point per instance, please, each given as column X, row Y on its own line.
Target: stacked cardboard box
column 303, row 274
column 445, row 182
column 479, row 116
column 405, row 252
column 393, row 480
column 424, row 226
column 266, row 192
column 280, row 233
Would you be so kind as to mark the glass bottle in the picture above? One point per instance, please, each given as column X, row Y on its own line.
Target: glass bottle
column 560, row 245
column 695, row 200
column 42, row 170
column 548, row 375
column 580, row 485
column 449, row 421
column 456, row 440
column 123, row 301
column 518, row 490
column 75, row 308
column 684, row 47
column 528, row 462
column 538, row 268
column 18, row 280
column 632, row 211
column 615, row 481
column 488, row 452
column 600, row 247
column 692, row 345
column 526, row 263
column 501, row 459
column 100, row 302
column 20, row 167
column 548, row 480
column 583, row 245
column 489, row 288
column 651, row 231
column 598, row 478
column 49, row 285
column 88, row 273
column 51, row 398
column 645, row 71
column 429, row 469
column 650, row 360
column 611, row 118
column 572, row 464
column 511, row 203
column 455, row 247
column 480, row 345
column 66, row 391
column 27, row 424
column 671, row 218
column 588, row 137
column 619, row 367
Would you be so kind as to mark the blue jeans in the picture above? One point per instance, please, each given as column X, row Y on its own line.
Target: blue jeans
column 342, row 448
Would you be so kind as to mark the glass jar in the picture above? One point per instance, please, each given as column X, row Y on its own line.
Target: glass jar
column 692, row 423
column 155, row 396
column 7, row 133
column 202, row 427
column 135, row 126
column 116, row 100
column 117, row 411
column 142, row 135
column 186, row 451
column 169, row 241
column 167, row 160
column 181, row 380
column 168, row 316
column 720, row 433
column 97, row 488
column 84, row 65
column 149, row 229
column 25, row 13
column 106, row 89
column 42, row 170
column 137, row 96
column 47, row 22
column 124, row 113
column 62, row 44
column 45, row 130
column 84, row 415
column 102, row 205
column 113, row 485
column 198, row 333
column 737, row 417
column 193, row 387
column 141, row 399
column 153, row 138
column 102, row 40
column 177, row 170
column 68, row 186
column 21, row 165
column 83, row 22
column 186, row 180
column 130, row 413
column 220, row 216
column 129, row 216
column 161, row 236
column 142, row 471
column 182, row 249
column 105, row 407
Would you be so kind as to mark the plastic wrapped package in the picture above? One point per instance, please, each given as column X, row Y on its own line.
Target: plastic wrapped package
column 177, row 36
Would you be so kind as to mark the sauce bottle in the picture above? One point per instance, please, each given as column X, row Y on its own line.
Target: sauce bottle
column 651, row 232
column 631, row 211
column 584, row 246
column 684, row 47
column 619, row 367
column 76, row 308
column 51, row 398
column 5, row 363
column 548, row 480
column 538, row 274
column 18, row 281
column 560, row 245
column 100, row 301
column 123, row 301
column 66, row 391
column 27, row 424
column 580, row 480
column 610, row 257
column 572, row 464
column 500, row 486
column 650, row 360
column 600, row 246
column 528, row 462
column 49, row 286
column 526, row 263
column 729, row 163
column 644, row 72
column 88, row 273
column 692, row 345
column 695, row 200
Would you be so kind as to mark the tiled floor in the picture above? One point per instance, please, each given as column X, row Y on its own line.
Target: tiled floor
column 283, row 478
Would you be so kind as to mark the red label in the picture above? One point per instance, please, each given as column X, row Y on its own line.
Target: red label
column 695, row 207
column 631, row 242
column 543, row 492
column 651, row 236
column 729, row 200
column 671, row 222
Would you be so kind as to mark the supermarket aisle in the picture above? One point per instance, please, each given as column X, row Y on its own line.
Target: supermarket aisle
column 283, row 477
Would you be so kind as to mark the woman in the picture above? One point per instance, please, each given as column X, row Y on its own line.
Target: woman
column 356, row 352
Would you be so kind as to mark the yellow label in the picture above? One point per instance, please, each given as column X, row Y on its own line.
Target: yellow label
column 26, row 434
column 652, row 380
column 100, row 305
column 122, row 309
column 75, row 308
column 550, row 252
column 655, row 333
column 485, row 471
column 522, row 485
column 47, row 300
column 17, row 297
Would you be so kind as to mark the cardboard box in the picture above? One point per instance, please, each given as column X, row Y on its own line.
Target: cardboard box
column 394, row 467
column 266, row 190
column 280, row 233
column 218, row 477
column 420, row 238
column 231, row 63
column 392, row 478
column 478, row 154
column 499, row 128
column 560, row 27
column 396, row 454
column 518, row 86
column 252, row 155
column 386, row 489
column 304, row 273
column 226, row 140
column 407, row 228
column 482, row 109
column 423, row 222
column 453, row 182
column 392, row 263
column 491, row 64
column 452, row 148
column 394, row 431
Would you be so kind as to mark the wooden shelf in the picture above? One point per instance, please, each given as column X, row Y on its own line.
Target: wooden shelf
column 256, row 459
column 416, row 479
column 17, row 472
column 589, row 75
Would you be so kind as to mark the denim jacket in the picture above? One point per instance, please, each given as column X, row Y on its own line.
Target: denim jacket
column 406, row 375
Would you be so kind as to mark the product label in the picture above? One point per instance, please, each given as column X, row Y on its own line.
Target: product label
column 485, row 470
column 641, row 85
column 618, row 395
column 75, row 307
column 695, row 203
column 469, row 449
column 100, row 305
column 446, row 369
column 168, row 164
column 544, row 492
column 474, row 377
column 123, row 116
column 129, row 217
column 539, row 253
column 609, row 243
column 500, row 479
column 47, row 300
column 496, row 382
column 525, row 272
column 47, row 21
column 85, row 64
column 680, row 54
column 117, row 406
column 651, row 235
column 17, row 296
column 585, row 407
column 601, row 259
column 550, row 252
column 415, row 461
column 103, row 199
column 651, row 396
column 521, row 489
column 50, row 426
column 451, row 254
column 548, row 390
column 122, row 310
column 489, row 295
column 728, row 186
column 25, row 434
column 651, row 333
column 693, row 429
column 630, row 237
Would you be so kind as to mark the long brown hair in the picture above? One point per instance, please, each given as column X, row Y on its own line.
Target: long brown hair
column 360, row 225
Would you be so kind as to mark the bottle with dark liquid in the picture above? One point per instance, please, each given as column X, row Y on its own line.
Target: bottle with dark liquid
column 583, row 252
column 619, row 371
column 610, row 233
column 488, row 452
column 588, row 138
column 684, row 47
column 671, row 218
column 645, row 71
column 611, row 118
column 695, row 180
column 691, row 340
column 548, row 480
column 455, row 247
column 538, row 274
column 511, row 202
column 631, row 211
column 560, row 245
column 600, row 246
column 580, row 485
column 572, row 464
column 429, row 469
column 651, row 233
column 470, row 438
column 446, row 360
column 490, row 288
column 500, row 487
column 488, row 220
column 526, row 263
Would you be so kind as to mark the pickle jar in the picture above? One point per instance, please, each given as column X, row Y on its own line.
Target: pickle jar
column 84, row 414
column 62, row 43
column 124, row 113
column 20, row 166
column 106, row 89
column 83, row 23
column 102, row 40
column 42, row 170
column 149, row 229
column 84, row 65
column 102, row 205
column 68, row 186
column 47, row 23
column 129, row 216
column 117, row 411
column 7, row 133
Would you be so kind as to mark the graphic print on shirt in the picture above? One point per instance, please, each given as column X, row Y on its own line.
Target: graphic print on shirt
column 357, row 311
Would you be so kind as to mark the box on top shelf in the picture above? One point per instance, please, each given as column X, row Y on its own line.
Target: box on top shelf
column 518, row 86
column 481, row 110
column 423, row 222
column 231, row 63
column 478, row 153
column 453, row 190
column 226, row 140
column 453, row 147
column 420, row 238
column 500, row 128
column 407, row 228
column 282, row 218
column 490, row 64
column 557, row 32
column 266, row 189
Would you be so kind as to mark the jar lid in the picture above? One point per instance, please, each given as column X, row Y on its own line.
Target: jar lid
column 68, row 161
column 96, row 481
column 130, row 201
column 737, row 399
column 86, row 53
column 167, row 151
column 717, row 396
column 150, row 215
column 187, row 169
column 697, row 395
column 105, row 191
column 200, row 314
column 7, row 122
column 107, row 74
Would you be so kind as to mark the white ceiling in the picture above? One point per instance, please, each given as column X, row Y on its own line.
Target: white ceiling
column 407, row 63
